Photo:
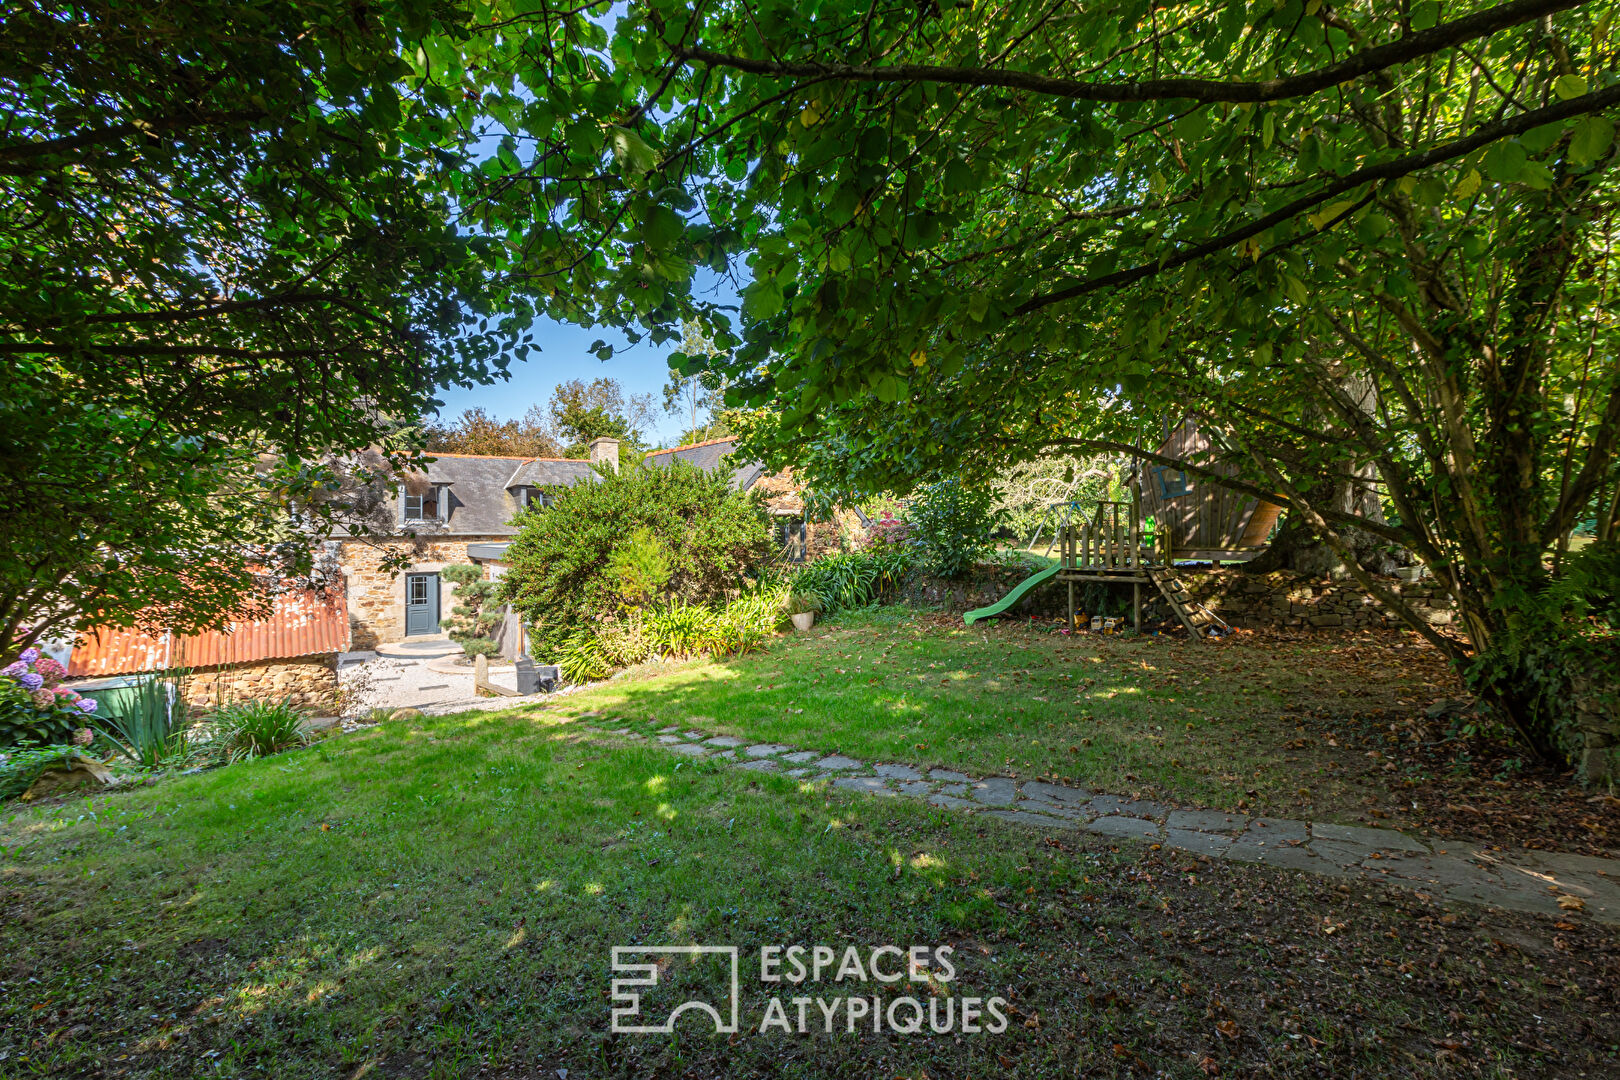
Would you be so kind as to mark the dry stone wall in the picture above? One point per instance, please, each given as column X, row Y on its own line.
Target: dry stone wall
column 308, row 681
column 1283, row 599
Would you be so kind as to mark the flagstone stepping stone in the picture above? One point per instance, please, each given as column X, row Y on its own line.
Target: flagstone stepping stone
column 1271, row 830
column 1381, row 839
column 948, row 775
column 915, row 788
column 1056, row 793
column 801, row 757
column 1286, row 858
column 695, row 736
column 667, row 739
column 897, row 772
column 796, row 773
column 994, row 791
column 951, row 802
column 838, row 761
column 1119, row 825
column 1041, row 806
column 1341, row 854
column 667, row 730
column 726, row 740
column 1200, row 843
column 689, row 749
column 1025, row 817
column 1205, row 821
column 1113, row 804
column 726, row 755
column 758, row 766
column 953, row 790
column 764, row 750
column 869, row 784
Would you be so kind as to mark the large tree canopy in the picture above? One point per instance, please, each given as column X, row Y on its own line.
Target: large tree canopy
column 1368, row 246
column 242, row 227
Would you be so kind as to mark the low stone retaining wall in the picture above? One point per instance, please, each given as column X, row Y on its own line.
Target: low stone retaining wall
column 309, row 681
column 1280, row 599
column 1049, row 599
column 1284, row 599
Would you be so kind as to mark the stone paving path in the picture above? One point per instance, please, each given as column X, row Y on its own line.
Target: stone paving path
column 1547, row 882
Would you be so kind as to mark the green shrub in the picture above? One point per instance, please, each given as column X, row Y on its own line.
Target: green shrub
column 640, row 567
column 624, row 641
column 562, row 575
column 854, row 579
column 580, row 658
column 34, row 710
column 150, row 725
column 681, row 630
column 952, row 528
column 475, row 614
column 20, row 766
column 251, row 729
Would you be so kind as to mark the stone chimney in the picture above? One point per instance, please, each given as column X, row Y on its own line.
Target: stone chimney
column 605, row 449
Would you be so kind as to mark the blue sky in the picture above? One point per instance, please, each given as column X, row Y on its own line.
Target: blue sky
column 565, row 353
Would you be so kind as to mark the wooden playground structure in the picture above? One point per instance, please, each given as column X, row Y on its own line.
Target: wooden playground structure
column 1169, row 517
column 1114, row 547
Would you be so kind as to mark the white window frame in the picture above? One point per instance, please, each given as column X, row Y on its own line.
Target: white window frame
column 438, row 506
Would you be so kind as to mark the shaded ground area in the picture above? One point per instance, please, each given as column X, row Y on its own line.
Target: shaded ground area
column 1369, row 728
column 439, row 898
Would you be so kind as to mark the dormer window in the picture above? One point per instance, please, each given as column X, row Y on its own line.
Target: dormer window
column 533, row 497
column 426, row 506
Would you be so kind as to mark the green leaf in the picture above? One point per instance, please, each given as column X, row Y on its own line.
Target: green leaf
column 631, row 151
column 1505, row 161
column 1590, row 139
column 1569, row 86
column 660, row 227
column 978, row 304
column 1425, row 14
column 959, row 177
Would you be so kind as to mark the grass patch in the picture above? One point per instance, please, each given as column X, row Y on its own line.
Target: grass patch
column 438, row 898
column 1233, row 725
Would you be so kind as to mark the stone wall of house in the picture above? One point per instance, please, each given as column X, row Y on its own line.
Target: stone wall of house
column 308, row 681
column 377, row 597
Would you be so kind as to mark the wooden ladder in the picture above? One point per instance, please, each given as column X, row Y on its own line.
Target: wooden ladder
column 1197, row 618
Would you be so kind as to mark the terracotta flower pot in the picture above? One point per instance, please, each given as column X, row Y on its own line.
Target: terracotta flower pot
column 804, row 620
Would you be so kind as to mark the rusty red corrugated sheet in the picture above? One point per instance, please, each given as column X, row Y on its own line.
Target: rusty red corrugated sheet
column 303, row 624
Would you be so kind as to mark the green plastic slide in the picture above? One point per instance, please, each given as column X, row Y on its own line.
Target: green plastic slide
column 1002, row 606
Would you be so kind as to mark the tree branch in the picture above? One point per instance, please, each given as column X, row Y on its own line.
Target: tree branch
column 1388, row 170
column 1410, row 47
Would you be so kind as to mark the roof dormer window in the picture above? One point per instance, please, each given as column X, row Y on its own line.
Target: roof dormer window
column 428, row 506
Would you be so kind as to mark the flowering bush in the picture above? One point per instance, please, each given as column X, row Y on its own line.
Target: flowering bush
column 34, row 709
column 888, row 531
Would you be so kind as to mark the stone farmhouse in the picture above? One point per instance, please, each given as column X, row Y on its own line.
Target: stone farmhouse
column 461, row 509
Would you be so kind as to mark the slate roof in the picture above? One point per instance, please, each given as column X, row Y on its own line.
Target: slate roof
column 710, row 456
column 483, row 492
column 543, row 472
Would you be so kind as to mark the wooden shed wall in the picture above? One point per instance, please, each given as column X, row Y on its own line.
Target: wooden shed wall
column 1208, row 517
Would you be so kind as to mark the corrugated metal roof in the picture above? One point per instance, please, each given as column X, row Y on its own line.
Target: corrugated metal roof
column 303, row 624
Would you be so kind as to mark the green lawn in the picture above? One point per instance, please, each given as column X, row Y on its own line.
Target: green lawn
column 1232, row 725
column 439, row 898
